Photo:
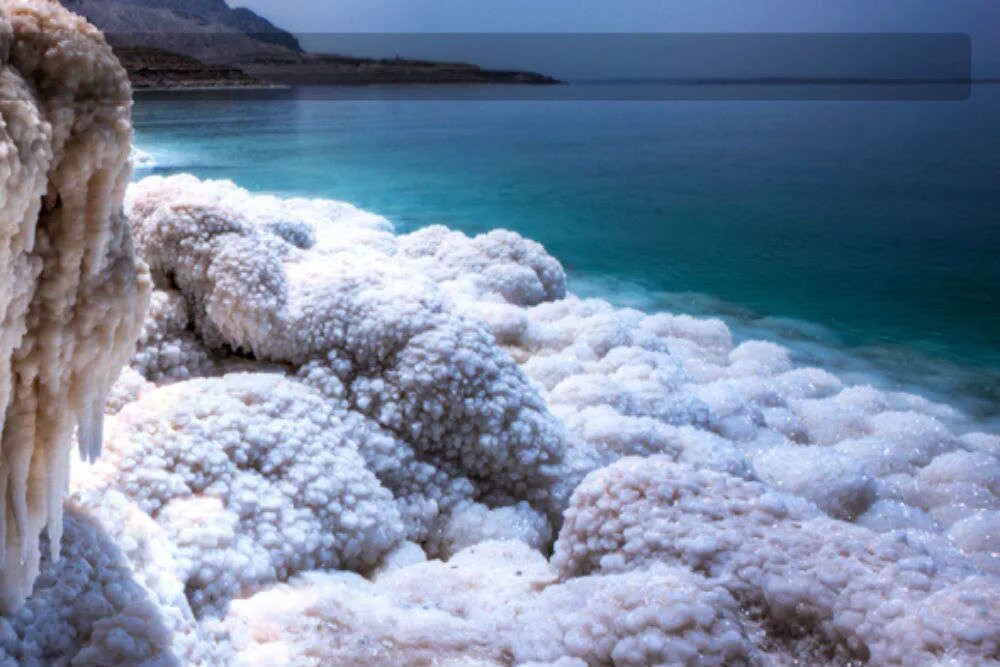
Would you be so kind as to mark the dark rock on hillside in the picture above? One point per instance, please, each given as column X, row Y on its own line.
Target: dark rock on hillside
column 208, row 30
column 152, row 68
column 316, row 69
column 207, row 43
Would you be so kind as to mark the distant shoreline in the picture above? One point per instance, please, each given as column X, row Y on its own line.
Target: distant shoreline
column 182, row 85
column 152, row 68
column 210, row 88
column 618, row 90
column 792, row 81
column 309, row 69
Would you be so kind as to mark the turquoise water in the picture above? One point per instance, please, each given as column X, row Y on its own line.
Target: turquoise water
column 866, row 234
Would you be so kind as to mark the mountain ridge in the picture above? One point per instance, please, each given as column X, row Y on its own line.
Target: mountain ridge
column 208, row 44
column 209, row 30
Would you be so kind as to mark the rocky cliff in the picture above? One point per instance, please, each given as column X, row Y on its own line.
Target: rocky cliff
column 209, row 30
column 208, row 44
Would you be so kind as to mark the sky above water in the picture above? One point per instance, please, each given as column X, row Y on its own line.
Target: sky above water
column 978, row 18
column 628, row 15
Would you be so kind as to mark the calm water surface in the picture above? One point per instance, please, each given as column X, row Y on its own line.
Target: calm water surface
column 864, row 234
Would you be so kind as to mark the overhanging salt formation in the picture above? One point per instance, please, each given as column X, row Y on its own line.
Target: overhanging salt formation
column 71, row 292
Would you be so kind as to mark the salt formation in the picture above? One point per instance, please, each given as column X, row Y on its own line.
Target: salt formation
column 496, row 603
column 339, row 445
column 253, row 478
column 71, row 293
column 449, row 417
column 83, row 606
column 113, row 597
column 448, row 396
column 822, row 585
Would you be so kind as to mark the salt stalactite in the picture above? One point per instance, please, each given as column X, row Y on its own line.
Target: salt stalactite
column 71, row 292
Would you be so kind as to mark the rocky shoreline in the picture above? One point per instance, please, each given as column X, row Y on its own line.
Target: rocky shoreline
column 320, row 69
column 206, row 44
column 152, row 68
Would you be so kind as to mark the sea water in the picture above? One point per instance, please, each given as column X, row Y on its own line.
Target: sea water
column 863, row 235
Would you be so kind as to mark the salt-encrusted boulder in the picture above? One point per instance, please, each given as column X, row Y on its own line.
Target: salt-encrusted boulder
column 253, row 478
column 72, row 295
column 492, row 604
column 823, row 589
column 112, row 598
column 338, row 303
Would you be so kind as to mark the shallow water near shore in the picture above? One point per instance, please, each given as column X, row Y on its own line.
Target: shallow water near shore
column 864, row 235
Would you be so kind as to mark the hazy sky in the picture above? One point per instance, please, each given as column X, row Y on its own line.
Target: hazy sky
column 978, row 18
column 981, row 17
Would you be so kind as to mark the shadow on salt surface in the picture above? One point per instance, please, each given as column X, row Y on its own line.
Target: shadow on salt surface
column 87, row 608
column 970, row 394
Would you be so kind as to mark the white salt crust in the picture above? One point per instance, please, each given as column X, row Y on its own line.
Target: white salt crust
column 72, row 295
column 738, row 509
column 338, row 445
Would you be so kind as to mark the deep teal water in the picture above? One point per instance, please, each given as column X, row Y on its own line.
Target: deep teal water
column 877, row 221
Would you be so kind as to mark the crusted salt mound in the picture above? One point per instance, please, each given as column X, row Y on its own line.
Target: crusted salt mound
column 492, row 604
column 660, row 616
column 71, row 292
column 628, row 383
column 886, row 515
column 398, row 328
column 978, row 536
column 253, row 478
column 840, row 485
column 429, row 613
column 479, row 404
column 155, row 565
column 818, row 587
column 500, row 262
column 340, row 305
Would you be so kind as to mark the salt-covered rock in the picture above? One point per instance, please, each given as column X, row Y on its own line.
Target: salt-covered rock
column 815, row 582
column 71, row 291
